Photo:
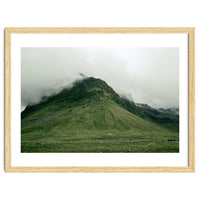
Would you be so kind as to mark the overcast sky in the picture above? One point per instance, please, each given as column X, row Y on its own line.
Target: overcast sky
column 145, row 75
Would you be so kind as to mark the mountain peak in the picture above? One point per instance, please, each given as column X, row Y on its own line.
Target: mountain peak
column 92, row 82
column 92, row 86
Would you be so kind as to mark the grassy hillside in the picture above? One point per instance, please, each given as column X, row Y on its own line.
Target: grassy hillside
column 91, row 117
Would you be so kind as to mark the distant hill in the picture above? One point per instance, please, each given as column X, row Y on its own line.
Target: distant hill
column 173, row 110
column 92, row 117
column 168, row 118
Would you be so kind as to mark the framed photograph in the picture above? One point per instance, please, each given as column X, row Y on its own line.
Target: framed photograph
column 99, row 99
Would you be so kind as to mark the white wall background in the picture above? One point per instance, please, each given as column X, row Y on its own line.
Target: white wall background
column 63, row 13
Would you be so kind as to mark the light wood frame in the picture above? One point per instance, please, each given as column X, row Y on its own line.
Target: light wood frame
column 86, row 30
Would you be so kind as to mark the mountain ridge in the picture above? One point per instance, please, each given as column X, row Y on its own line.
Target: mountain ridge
column 91, row 89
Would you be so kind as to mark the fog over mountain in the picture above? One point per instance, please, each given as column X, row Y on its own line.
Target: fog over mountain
column 145, row 75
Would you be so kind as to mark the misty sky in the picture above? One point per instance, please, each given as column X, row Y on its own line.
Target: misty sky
column 145, row 75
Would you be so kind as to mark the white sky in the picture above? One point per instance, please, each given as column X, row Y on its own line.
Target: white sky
column 145, row 75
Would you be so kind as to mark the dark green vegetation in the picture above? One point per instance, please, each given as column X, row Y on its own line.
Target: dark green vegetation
column 92, row 117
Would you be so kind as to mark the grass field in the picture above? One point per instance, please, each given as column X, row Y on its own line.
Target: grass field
column 94, row 127
column 101, row 142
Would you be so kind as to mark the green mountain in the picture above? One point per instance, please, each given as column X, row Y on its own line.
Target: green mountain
column 92, row 117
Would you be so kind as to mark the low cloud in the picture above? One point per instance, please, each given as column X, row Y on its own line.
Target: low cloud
column 145, row 75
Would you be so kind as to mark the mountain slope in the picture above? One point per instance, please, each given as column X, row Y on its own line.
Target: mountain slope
column 163, row 117
column 85, row 112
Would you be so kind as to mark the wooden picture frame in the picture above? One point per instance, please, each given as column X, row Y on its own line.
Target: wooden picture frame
column 87, row 30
